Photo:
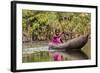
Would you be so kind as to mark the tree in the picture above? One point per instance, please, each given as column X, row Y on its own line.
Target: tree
column 40, row 25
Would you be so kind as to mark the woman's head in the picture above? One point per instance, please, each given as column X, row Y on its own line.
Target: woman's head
column 57, row 31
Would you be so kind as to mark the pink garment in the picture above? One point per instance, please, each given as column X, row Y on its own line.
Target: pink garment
column 56, row 40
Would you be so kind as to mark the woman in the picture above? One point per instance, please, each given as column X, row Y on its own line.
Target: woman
column 56, row 39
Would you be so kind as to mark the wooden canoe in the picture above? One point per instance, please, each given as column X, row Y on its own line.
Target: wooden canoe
column 76, row 43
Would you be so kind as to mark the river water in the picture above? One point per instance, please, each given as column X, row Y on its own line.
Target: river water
column 37, row 51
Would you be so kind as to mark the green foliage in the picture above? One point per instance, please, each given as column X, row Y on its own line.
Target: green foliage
column 40, row 25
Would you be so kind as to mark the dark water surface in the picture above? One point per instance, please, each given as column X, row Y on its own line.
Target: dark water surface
column 43, row 56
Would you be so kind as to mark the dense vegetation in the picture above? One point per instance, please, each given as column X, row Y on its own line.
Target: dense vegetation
column 40, row 25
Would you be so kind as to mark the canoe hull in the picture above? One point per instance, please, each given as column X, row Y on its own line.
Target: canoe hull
column 76, row 43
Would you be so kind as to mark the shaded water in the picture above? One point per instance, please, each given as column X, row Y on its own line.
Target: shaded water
column 43, row 56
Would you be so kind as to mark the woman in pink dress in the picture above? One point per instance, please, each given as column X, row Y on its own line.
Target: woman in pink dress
column 56, row 39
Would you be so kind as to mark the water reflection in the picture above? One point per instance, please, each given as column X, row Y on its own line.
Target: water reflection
column 32, row 55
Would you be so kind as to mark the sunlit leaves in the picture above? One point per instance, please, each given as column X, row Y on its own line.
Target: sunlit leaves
column 43, row 23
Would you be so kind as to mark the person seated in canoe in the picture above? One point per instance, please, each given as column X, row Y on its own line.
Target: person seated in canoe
column 56, row 39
